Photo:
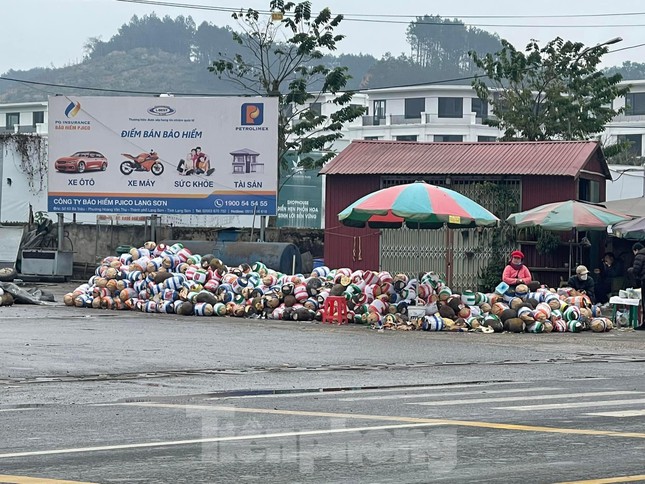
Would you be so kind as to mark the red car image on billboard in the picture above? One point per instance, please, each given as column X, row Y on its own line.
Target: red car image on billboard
column 82, row 161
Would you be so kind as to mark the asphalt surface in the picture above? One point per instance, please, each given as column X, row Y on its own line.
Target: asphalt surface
column 113, row 397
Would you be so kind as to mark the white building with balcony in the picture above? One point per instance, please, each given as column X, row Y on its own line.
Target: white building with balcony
column 24, row 118
column 455, row 114
column 425, row 113
column 23, row 176
column 629, row 126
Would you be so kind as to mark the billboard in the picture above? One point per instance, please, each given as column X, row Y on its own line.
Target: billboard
column 300, row 200
column 171, row 155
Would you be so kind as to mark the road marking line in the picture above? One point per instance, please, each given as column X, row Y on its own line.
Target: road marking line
column 16, row 410
column 523, row 397
column 360, row 390
column 457, row 423
column 146, row 445
column 302, row 413
column 620, row 413
column 609, row 480
column 4, row 479
column 554, row 406
column 450, row 394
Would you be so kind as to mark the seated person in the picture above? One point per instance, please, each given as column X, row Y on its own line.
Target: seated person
column 582, row 283
column 516, row 272
column 609, row 278
column 203, row 164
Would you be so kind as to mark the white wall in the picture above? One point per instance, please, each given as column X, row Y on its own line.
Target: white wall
column 16, row 192
column 627, row 182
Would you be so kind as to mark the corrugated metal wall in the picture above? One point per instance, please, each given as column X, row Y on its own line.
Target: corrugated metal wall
column 538, row 190
column 346, row 246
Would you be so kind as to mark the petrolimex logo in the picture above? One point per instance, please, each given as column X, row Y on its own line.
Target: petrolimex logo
column 252, row 117
column 72, row 109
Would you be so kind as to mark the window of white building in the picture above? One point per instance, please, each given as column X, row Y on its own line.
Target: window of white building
column 636, row 142
column 414, row 107
column 451, row 107
column 316, row 108
column 379, row 109
column 39, row 117
column 12, row 119
column 635, row 103
column 480, row 108
column 448, row 138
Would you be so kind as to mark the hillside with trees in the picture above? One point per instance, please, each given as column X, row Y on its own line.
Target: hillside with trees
column 150, row 54
column 158, row 55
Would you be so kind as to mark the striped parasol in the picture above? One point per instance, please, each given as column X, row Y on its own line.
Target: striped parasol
column 568, row 215
column 417, row 205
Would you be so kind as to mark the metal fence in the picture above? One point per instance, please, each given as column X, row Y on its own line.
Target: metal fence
column 458, row 255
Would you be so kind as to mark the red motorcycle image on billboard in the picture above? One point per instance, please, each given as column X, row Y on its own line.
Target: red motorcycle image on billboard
column 142, row 162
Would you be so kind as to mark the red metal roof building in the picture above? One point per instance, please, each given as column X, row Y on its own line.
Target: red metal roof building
column 547, row 171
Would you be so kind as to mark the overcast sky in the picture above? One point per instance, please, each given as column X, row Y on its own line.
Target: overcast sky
column 45, row 33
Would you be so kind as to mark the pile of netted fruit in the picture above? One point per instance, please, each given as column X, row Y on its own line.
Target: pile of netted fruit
column 157, row 278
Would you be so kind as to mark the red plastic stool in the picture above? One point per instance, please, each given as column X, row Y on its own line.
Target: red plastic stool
column 338, row 305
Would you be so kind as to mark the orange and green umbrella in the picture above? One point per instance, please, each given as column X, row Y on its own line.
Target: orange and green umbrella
column 568, row 215
column 417, row 205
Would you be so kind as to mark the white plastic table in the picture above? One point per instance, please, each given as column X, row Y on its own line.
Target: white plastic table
column 633, row 304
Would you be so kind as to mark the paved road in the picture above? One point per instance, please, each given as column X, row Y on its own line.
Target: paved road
column 120, row 397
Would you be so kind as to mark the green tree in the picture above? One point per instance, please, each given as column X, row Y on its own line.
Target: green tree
column 358, row 66
column 174, row 36
column 284, row 60
column 443, row 44
column 629, row 70
column 621, row 153
column 549, row 93
column 438, row 51
column 210, row 40
column 397, row 71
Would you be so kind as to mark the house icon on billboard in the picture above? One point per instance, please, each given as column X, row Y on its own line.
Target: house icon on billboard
column 246, row 161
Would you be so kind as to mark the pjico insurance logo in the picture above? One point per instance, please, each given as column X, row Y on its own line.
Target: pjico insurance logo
column 252, row 114
column 72, row 109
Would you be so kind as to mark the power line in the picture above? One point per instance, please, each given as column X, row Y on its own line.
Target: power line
column 521, row 26
column 626, row 48
column 387, row 15
column 441, row 81
column 572, row 15
column 362, row 17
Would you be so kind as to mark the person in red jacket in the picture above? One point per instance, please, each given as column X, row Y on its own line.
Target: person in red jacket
column 516, row 272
